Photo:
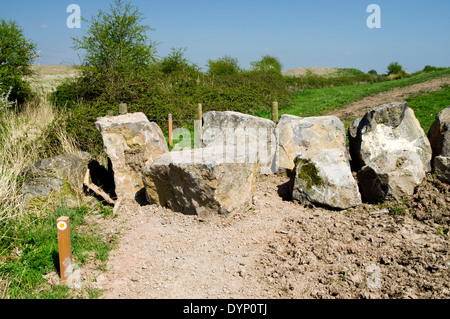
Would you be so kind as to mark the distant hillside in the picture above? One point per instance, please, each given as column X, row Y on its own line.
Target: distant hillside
column 318, row 71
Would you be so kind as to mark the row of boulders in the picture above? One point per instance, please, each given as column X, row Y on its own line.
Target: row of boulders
column 389, row 151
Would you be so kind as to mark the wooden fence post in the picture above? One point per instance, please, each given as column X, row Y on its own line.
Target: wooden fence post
column 275, row 112
column 170, row 131
column 65, row 248
column 123, row 108
column 199, row 124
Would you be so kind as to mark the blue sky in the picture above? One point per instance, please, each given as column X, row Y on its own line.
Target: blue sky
column 300, row 33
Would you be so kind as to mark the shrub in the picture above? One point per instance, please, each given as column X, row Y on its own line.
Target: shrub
column 223, row 66
column 175, row 62
column 395, row 69
column 16, row 56
column 267, row 64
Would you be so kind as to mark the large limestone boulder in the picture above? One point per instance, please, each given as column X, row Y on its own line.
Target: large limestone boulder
column 391, row 176
column 131, row 142
column 238, row 133
column 439, row 136
column 297, row 135
column 324, row 177
column 388, row 129
column 201, row 181
column 55, row 179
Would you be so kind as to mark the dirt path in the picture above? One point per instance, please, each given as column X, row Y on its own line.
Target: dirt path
column 282, row 249
column 361, row 107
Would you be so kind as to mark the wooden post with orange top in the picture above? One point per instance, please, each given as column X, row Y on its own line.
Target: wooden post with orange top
column 170, row 131
column 65, row 248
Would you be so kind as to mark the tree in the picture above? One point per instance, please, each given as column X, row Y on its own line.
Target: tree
column 117, row 40
column 176, row 62
column 267, row 64
column 223, row 66
column 395, row 68
column 16, row 57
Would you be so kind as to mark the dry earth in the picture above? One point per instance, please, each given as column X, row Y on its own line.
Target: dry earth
column 316, row 70
column 47, row 77
column 282, row 248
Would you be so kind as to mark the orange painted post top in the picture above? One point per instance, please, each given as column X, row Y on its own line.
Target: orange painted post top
column 65, row 248
column 170, row 130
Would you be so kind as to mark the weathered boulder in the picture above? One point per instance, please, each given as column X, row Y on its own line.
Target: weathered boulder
column 61, row 176
column 297, row 135
column 387, row 129
column 324, row 177
column 391, row 176
column 201, row 181
column 439, row 136
column 131, row 142
column 442, row 168
column 238, row 133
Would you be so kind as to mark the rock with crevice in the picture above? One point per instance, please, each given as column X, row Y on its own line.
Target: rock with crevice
column 324, row 177
column 391, row 176
column 201, row 182
column 297, row 135
column 388, row 129
column 236, row 132
column 439, row 136
column 131, row 142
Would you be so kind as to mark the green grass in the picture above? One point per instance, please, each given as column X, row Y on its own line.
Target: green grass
column 32, row 244
column 427, row 105
column 314, row 102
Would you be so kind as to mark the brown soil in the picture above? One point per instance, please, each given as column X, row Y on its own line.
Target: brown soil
column 283, row 249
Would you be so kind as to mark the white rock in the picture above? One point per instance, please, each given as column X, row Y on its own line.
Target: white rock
column 324, row 177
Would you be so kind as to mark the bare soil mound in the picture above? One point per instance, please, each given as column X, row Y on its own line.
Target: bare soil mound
column 317, row 71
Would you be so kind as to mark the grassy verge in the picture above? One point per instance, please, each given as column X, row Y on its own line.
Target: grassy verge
column 313, row 102
column 427, row 105
column 28, row 241
column 29, row 249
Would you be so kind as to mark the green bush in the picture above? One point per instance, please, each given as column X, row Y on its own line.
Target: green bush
column 223, row 66
column 267, row 64
column 395, row 69
column 16, row 56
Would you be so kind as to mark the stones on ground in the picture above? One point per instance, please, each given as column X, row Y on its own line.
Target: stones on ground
column 298, row 135
column 439, row 136
column 58, row 177
column 201, row 181
column 324, row 177
column 131, row 142
column 244, row 134
column 388, row 129
column 391, row 176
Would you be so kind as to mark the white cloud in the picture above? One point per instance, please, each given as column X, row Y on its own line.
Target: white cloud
column 44, row 26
